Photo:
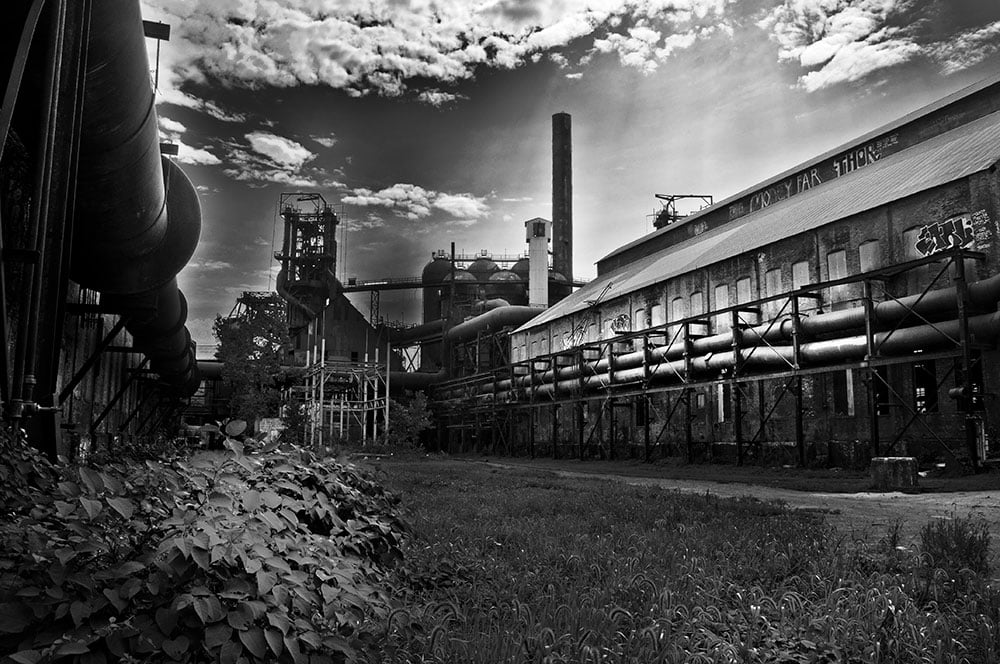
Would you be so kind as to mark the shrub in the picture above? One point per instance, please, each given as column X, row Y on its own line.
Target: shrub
column 277, row 557
column 957, row 543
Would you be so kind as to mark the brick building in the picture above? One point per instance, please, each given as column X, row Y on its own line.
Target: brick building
column 842, row 309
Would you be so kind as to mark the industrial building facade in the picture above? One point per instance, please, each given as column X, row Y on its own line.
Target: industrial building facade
column 843, row 309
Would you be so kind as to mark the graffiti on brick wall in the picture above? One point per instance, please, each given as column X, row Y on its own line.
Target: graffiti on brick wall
column 621, row 324
column 968, row 231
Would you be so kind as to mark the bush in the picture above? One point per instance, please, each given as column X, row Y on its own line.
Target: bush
column 957, row 543
column 277, row 557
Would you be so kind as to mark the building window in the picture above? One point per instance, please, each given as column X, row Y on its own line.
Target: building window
column 743, row 290
column 639, row 320
column 870, row 255
column 925, row 394
column 910, row 250
column 354, row 356
column 843, row 392
column 697, row 306
column 772, row 283
column 656, row 317
column 697, row 303
column 722, row 321
column 800, row 274
column 772, row 287
column 836, row 267
column 641, row 412
column 677, row 309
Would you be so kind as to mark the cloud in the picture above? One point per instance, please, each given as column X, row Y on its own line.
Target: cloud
column 842, row 41
column 211, row 265
column 186, row 100
column 413, row 202
column 171, row 126
column 284, row 152
column 381, row 47
column 195, row 156
column 967, row 48
column 171, row 132
column 438, row 98
column 326, row 141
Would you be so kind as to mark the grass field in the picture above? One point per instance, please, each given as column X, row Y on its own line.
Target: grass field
column 520, row 566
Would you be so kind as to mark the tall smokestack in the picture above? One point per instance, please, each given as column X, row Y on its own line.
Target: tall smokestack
column 562, row 195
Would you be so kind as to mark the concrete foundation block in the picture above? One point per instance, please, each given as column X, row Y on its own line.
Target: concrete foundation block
column 894, row 473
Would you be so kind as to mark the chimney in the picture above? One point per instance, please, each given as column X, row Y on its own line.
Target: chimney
column 562, row 196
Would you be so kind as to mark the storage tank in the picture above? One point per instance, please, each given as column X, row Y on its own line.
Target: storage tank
column 467, row 290
column 520, row 268
column 506, row 285
column 432, row 277
column 559, row 287
column 483, row 268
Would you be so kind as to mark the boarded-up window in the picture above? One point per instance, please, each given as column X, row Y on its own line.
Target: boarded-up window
column 721, row 301
column 656, row 315
column 743, row 294
column 639, row 319
column 870, row 255
column 800, row 274
column 836, row 265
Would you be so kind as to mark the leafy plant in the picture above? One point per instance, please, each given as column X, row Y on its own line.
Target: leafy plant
column 225, row 557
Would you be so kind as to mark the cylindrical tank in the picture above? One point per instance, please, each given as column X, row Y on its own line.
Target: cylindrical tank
column 432, row 277
column 482, row 268
column 520, row 268
column 559, row 287
column 506, row 284
column 434, row 298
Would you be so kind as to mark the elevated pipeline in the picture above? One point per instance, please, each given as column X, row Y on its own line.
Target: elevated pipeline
column 983, row 329
column 137, row 215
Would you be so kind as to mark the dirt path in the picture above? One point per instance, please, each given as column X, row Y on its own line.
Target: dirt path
column 864, row 514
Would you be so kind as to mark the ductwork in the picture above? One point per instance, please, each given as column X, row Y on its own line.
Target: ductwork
column 137, row 216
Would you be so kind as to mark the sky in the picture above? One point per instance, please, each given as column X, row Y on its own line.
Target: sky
column 427, row 122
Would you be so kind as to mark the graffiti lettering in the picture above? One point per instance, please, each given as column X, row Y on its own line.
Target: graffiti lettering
column 948, row 234
column 863, row 156
column 621, row 324
column 786, row 189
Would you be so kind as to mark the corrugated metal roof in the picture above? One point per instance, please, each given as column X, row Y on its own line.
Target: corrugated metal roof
column 945, row 158
column 888, row 127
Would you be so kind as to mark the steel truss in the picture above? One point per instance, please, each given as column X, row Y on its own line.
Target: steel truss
column 513, row 389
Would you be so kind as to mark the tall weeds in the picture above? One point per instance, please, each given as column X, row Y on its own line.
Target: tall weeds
column 520, row 567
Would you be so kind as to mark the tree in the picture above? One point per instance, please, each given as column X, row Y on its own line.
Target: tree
column 252, row 342
column 407, row 420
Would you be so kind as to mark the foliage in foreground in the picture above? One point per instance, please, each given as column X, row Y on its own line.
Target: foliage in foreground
column 523, row 568
column 228, row 557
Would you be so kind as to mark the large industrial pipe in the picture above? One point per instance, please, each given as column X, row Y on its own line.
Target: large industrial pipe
column 490, row 321
column 983, row 329
column 138, row 216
